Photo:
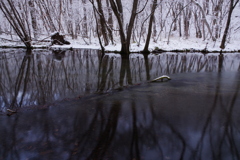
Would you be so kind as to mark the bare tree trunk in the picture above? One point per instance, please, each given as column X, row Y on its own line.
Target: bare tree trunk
column 180, row 20
column 204, row 19
column 186, row 21
column 197, row 24
column 110, row 22
column 118, row 12
column 154, row 29
column 99, row 39
column 48, row 16
column 206, row 6
column 110, row 17
column 16, row 21
column 180, row 11
column 117, row 8
column 217, row 9
column 84, row 26
column 103, row 23
column 154, row 6
column 131, row 24
column 34, row 18
column 231, row 8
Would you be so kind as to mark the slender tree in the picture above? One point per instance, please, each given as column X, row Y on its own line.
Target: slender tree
column 232, row 5
column 154, row 6
column 117, row 8
column 33, row 18
column 17, row 22
column 204, row 19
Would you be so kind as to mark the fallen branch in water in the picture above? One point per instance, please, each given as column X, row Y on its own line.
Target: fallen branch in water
column 10, row 112
column 161, row 78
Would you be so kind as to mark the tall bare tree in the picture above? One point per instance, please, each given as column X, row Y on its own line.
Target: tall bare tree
column 232, row 5
column 33, row 18
column 117, row 8
column 154, row 6
column 17, row 22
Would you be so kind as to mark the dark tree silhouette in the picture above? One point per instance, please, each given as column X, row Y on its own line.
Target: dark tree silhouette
column 231, row 8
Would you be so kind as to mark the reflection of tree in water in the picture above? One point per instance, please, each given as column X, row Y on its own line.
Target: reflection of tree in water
column 18, row 86
column 108, row 72
column 106, row 134
column 183, row 62
column 39, row 79
column 226, row 129
column 58, row 55
column 126, row 125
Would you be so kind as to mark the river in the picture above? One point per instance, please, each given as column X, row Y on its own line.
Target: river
column 80, row 104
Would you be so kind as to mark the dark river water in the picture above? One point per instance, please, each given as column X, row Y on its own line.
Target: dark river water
column 83, row 105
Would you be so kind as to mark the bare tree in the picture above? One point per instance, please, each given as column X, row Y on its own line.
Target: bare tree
column 124, row 20
column 117, row 8
column 204, row 19
column 217, row 9
column 17, row 22
column 103, row 29
column 33, row 18
column 232, row 5
column 154, row 6
column 187, row 14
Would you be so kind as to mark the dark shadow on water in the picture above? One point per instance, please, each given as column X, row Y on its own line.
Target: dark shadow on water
column 58, row 55
column 193, row 116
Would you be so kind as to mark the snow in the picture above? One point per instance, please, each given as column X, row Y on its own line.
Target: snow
column 79, row 9
column 176, row 43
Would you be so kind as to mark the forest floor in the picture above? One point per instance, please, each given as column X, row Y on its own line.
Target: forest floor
column 175, row 44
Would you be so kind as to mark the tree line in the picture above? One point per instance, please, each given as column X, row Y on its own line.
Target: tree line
column 124, row 21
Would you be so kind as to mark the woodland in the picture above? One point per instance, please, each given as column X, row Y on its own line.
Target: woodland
column 122, row 22
column 90, row 104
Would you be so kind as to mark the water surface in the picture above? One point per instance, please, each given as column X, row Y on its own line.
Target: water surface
column 103, row 107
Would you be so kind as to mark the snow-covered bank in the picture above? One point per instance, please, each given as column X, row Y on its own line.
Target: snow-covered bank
column 186, row 25
column 179, row 44
column 175, row 44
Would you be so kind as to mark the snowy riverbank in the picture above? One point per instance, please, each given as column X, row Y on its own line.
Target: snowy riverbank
column 175, row 44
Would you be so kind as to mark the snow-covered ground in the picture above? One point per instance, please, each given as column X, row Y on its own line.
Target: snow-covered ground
column 175, row 43
column 76, row 18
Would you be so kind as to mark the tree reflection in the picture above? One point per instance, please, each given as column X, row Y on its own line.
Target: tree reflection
column 108, row 73
column 138, row 123
column 125, row 71
column 150, row 121
column 45, row 77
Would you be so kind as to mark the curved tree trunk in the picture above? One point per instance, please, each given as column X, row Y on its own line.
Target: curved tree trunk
column 118, row 12
column 131, row 24
column 154, row 6
column 204, row 19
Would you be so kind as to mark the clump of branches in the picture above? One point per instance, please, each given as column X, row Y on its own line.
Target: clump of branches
column 19, row 25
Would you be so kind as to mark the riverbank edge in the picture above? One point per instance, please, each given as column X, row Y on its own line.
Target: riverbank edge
column 156, row 51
